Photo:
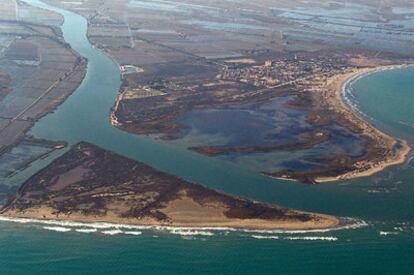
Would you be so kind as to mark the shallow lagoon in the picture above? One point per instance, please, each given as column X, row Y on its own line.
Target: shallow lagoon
column 384, row 200
column 263, row 124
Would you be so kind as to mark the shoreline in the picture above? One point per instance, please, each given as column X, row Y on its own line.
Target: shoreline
column 289, row 218
column 342, row 224
column 200, row 219
column 153, row 198
column 252, row 224
column 337, row 99
column 54, row 105
column 335, row 87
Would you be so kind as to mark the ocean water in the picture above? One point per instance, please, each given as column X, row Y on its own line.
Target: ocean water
column 383, row 243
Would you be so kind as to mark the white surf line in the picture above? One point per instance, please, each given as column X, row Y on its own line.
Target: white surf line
column 349, row 82
column 346, row 89
column 134, row 233
column 356, row 225
column 386, row 233
column 312, row 238
column 57, row 228
column 262, row 237
column 189, row 232
column 112, row 232
column 306, row 238
column 175, row 229
column 86, row 230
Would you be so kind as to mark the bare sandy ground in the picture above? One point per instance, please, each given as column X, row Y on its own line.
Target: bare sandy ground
column 184, row 217
column 336, row 85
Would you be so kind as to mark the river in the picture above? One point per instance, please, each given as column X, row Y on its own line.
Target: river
column 384, row 200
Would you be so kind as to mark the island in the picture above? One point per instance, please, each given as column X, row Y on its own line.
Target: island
column 90, row 184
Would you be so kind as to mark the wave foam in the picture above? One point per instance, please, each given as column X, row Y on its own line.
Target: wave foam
column 261, row 237
column 86, row 230
column 135, row 233
column 355, row 225
column 313, row 238
column 386, row 233
column 112, row 232
column 57, row 228
column 187, row 232
column 202, row 231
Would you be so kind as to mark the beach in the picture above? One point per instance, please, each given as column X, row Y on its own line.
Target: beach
column 81, row 186
column 189, row 221
column 335, row 100
column 382, row 243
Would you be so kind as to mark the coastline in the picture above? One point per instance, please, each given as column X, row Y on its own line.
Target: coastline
column 289, row 219
column 146, row 197
column 332, row 96
column 329, row 222
column 39, row 216
column 68, row 225
column 337, row 86
column 77, row 69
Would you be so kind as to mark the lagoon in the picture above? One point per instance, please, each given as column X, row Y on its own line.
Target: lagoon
column 384, row 200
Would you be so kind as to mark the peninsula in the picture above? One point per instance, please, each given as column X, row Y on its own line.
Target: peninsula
column 382, row 150
column 91, row 184
column 313, row 82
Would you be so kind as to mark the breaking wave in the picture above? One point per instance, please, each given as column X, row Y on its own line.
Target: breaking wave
column 190, row 232
column 261, row 237
column 113, row 228
column 112, row 232
column 356, row 224
column 312, row 238
column 86, row 230
column 386, row 233
column 306, row 238
column 57, row 228
column 135, row 233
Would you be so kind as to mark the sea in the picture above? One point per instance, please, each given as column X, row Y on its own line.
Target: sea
column 379, row 241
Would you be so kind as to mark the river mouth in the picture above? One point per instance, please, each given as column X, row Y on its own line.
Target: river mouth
column 384, row 200
column 84, row 117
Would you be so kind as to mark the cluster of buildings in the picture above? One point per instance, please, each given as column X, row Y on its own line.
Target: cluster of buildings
column 276, row 72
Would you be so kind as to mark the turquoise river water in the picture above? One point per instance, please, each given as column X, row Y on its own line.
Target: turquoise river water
column 382, row 241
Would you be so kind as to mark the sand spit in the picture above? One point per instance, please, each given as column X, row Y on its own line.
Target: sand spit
column 338, row 85
column 112, row 188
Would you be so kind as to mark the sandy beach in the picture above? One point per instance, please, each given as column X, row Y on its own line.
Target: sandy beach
column 335, row 89
column 193, row 220
column 81, row 186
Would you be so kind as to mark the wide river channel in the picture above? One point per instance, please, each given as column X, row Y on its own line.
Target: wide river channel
column 384, row 201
